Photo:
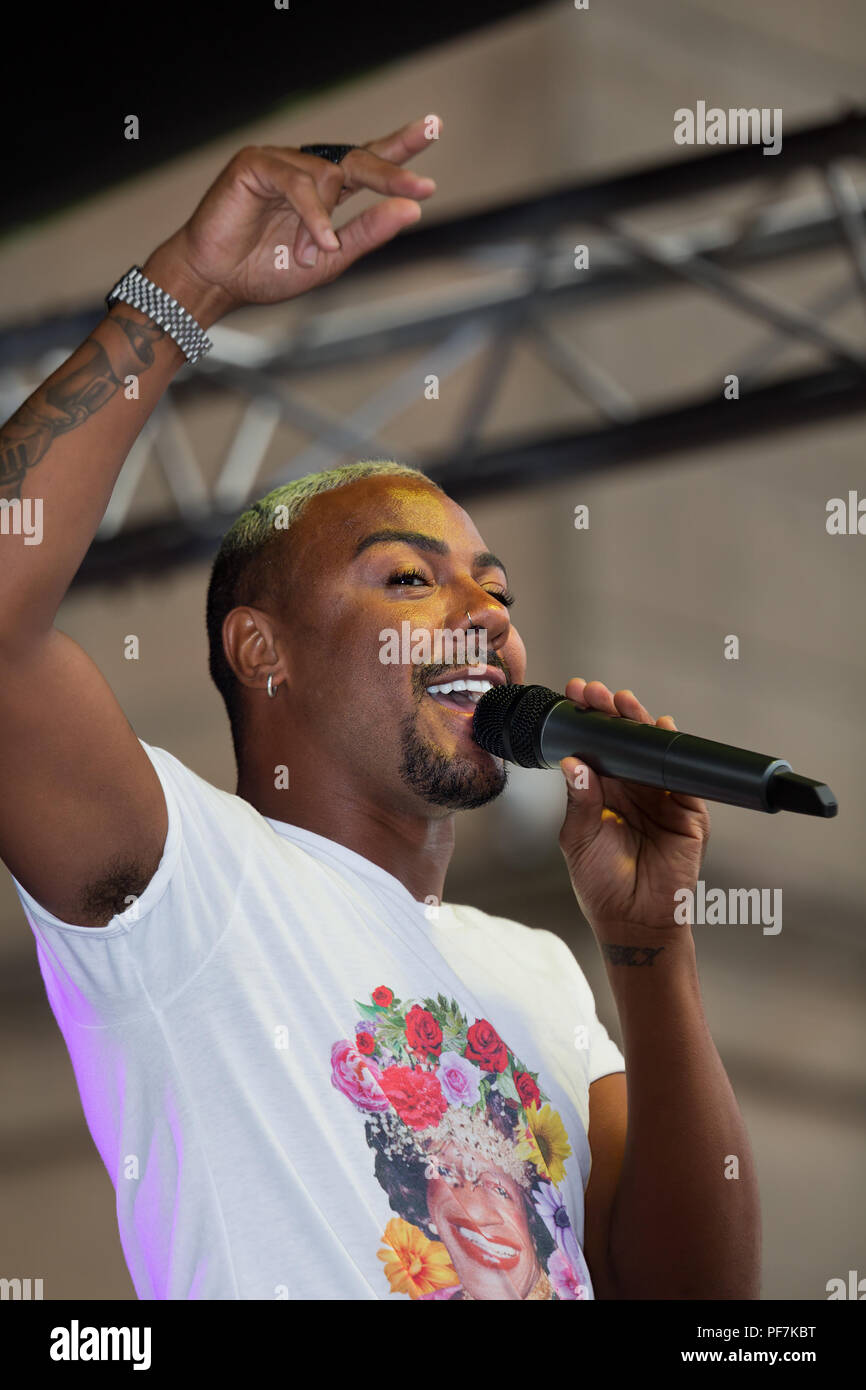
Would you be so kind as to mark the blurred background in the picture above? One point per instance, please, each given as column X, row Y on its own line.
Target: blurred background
column 602, row 386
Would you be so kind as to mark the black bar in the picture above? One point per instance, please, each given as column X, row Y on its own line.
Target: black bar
column 160, row 546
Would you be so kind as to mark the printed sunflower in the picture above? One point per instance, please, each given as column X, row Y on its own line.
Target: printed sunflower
column 545, row 1143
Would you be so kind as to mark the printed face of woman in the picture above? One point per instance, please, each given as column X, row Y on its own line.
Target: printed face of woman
column 482, row 1222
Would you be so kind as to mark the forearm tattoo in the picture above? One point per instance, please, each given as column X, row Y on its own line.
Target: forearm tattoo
column 75, row 393
column 631, row 955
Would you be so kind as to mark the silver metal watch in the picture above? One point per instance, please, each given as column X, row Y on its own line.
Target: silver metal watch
column 135, row 289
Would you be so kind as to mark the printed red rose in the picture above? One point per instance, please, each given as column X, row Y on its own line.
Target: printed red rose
column 365, row 1042
column 484, row 1045
column 415, row 1095
column 423, row 1033
column 382, row 996
column 527, row 1089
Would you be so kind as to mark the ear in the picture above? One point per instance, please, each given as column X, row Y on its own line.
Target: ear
column 252, row 646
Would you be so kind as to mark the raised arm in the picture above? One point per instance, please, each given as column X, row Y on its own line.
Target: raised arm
column 82, row 816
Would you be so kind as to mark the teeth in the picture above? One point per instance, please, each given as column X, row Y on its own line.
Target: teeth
column 489, row 1247
column 474, row 689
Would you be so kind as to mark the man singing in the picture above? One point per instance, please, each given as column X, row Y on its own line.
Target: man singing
column 308, row 1076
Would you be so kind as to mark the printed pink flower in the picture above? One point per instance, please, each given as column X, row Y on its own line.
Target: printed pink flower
column 566, row 1284
column 415, row 1095
column 459, row 1079
column 357, row 1077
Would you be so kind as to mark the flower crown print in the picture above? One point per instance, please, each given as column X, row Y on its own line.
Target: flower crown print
column 469, row 1151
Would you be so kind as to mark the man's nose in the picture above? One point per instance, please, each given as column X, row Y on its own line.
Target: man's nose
column 489, row 616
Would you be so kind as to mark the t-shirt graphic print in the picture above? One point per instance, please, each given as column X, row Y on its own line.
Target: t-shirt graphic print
column 290, row 1143
column 469, row 1151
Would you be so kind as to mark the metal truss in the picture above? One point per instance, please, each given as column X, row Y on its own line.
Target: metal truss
column 523, row 280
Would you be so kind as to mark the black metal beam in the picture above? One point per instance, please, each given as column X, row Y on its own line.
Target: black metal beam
column 676, row 429
column 544, row 213
column 23, row 342
column 692, row 426
column 593, row 201
column 795, row 402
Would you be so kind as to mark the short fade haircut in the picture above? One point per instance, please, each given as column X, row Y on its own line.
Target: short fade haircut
column 250, row 566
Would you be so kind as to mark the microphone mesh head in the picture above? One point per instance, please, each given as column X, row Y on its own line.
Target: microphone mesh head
column 489, row 717
column 526, row 721
column 523, row 707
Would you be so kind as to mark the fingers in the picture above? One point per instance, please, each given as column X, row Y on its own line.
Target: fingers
column 409, row 140
column 370, row 229
column 311, row 188
column 315, row 231
column 596, row 695
column 591, row 695
column 363, row 169
column 630, row 707
column 329, row 182
column 574, row 690
column 311, row 198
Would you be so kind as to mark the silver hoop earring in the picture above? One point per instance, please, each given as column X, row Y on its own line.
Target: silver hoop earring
column 272, row 689
column 469, row 616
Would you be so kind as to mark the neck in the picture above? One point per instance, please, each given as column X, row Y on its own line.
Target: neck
column 414, row 847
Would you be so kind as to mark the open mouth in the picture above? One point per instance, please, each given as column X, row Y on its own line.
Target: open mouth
column 495, row 1254
column 462, row 692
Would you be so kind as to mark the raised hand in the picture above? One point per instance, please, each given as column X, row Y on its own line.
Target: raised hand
column 269, row 196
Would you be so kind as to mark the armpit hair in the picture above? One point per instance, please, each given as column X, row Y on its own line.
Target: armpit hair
column 106, row 896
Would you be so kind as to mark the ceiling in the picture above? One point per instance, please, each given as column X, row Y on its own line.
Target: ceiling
column 189, row 75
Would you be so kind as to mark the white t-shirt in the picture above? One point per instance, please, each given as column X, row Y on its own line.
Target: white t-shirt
column 305, row 1084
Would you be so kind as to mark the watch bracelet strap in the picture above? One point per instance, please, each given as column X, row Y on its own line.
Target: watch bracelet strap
column 136, row 289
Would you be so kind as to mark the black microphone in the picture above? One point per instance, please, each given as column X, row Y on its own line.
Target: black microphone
column 535, row 727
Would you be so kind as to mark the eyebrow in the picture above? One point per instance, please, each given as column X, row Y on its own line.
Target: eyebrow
column 485, row 559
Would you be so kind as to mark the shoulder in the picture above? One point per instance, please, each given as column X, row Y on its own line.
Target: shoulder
column 537, row 939
column 537, row 945
column 196, row 805
column 183, row 779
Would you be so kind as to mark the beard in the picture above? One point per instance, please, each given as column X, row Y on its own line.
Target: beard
column 458, row 783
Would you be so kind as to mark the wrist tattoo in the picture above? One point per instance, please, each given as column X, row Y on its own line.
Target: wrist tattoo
column 141, row 336
column 630, row 955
